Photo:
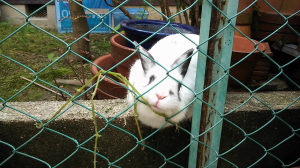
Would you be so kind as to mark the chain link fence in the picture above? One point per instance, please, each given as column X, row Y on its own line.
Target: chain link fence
column 214, row 55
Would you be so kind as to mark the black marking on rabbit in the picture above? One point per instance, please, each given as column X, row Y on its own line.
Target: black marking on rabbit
column 185, row 65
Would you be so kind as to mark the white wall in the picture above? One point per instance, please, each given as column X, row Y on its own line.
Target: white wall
column 8, row 13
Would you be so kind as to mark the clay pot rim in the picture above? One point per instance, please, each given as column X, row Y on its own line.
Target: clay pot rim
column 119, row 51
column 260, row 45
column 113, row 41
column 95, row 70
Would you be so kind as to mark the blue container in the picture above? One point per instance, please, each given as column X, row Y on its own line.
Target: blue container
column 139, row 30
column 118, row 15
column 65, row 25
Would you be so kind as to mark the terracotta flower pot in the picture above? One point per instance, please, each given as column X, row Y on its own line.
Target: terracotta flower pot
column 269, row 20
column 288, row 7
column 244, row 18
column 123, row 71
column 119, row 52
column 102, row 95
column 241, row 48
column 262, row 68
column 107, row 89
column 246, row 29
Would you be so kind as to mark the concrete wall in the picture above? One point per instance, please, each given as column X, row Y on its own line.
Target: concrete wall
column 17, row 128
column 8, row 13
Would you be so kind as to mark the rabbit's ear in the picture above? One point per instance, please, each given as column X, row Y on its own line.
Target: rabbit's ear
column 184, row 66
column 144, row 54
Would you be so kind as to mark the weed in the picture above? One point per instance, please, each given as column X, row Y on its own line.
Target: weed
column 108, row 109
column 33, row 50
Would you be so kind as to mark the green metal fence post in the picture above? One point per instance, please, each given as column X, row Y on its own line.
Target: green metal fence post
column 222, row 55
column 204, row 34
column 211, row 120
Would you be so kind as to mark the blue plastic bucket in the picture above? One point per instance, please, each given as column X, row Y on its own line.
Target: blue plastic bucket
column 139, row 30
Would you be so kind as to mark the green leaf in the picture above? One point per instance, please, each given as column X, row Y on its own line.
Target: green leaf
column 143, row 13
column 117, row 27
column 3, row 24
column 55, row 58
column 50, row 56
column 137, row 16
column 145, row 8
column 44, row 64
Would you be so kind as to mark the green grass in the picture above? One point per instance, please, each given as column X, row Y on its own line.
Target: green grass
column 30, row 47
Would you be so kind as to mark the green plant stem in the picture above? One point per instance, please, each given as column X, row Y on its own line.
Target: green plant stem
column 135, row 114
column 127, row 83
column 95, row 121
column 39, row 125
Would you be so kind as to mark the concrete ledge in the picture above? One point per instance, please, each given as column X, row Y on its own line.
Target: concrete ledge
column 17, row 128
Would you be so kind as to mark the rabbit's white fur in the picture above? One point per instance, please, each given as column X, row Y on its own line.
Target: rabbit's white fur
column 165, row 52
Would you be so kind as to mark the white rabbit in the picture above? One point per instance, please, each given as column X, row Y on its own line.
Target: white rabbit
column 169, row 96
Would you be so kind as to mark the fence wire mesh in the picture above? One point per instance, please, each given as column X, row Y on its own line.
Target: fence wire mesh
column 251, row 137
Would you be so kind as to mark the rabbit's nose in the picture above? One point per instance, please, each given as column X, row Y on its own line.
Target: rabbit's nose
column 160, row 97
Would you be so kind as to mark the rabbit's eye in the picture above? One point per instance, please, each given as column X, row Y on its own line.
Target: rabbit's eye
column 171, row 92
column 151, row 79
